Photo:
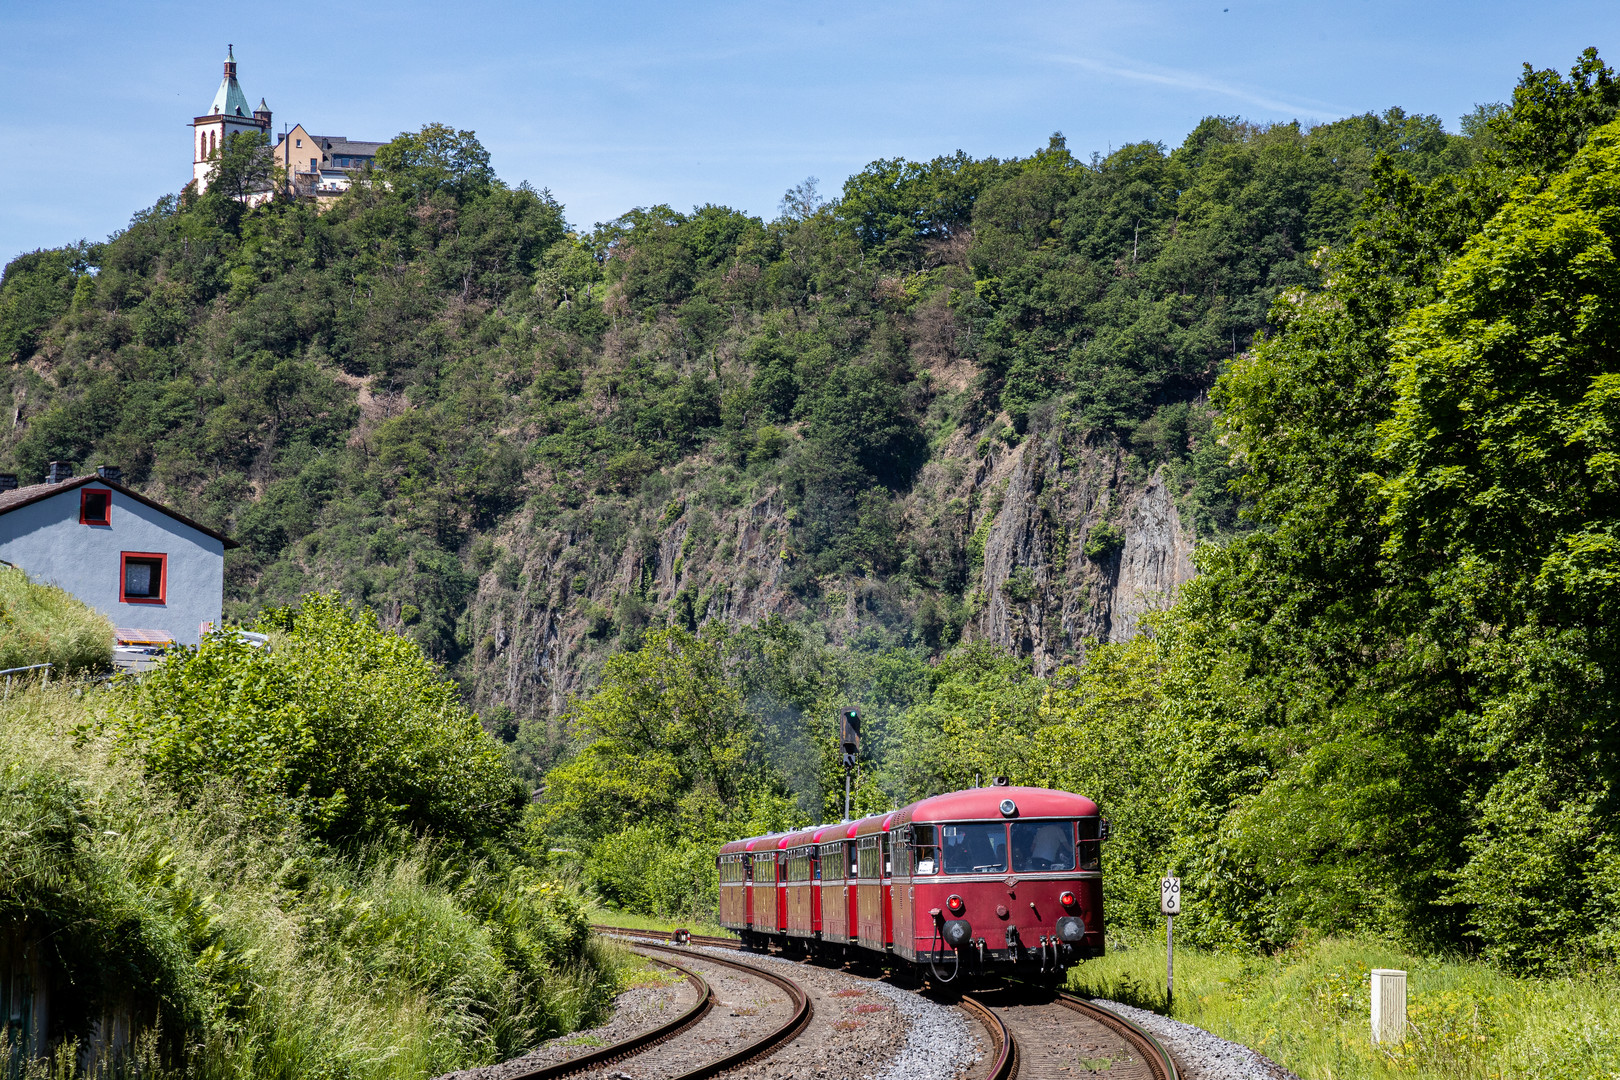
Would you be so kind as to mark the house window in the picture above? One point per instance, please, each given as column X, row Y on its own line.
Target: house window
column 94, row 506
column 298, row 142
column 144, row 577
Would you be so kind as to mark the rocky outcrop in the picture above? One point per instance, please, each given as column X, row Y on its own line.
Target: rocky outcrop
column 1063, row 541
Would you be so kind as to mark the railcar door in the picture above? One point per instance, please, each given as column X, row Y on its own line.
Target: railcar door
column 870, row 893
column 852, row 892
column 834, row 900
column 888, row 890
column 814, row 855
column 902, row 897
column 798, row 893
column 747, row 868
column 781, row 892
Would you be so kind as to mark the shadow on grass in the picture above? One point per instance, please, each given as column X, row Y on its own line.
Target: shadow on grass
column 1122, row 988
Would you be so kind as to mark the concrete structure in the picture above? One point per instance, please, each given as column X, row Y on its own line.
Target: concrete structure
column 138, row 562
column 322, row 165
column 1388, row 1005
column 228, row 114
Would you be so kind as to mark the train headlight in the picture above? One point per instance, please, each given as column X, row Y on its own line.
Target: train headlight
column 957, row 932
column 1008, row 808
column 956, row 904
column 1066, row 898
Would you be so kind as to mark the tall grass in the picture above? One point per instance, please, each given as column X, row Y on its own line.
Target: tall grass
column 43, row 624
column 1308, row 1008
column 258, row 953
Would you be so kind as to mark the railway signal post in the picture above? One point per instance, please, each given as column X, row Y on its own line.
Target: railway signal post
column 1170, row 905
column 850, row 737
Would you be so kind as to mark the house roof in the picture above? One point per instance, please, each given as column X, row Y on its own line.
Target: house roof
column 17, row 498
column 342, row 144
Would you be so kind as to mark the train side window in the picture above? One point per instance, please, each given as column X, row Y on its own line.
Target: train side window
column 886, row 859
column 815, row 864
column 854, row 866
column 1090, row 846
column 923, row 849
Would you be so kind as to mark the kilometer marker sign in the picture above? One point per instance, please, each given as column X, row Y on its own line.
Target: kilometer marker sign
column 1170, row 896
column 1170, row 905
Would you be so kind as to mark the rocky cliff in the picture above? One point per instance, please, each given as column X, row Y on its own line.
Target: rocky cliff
column 1062, row 540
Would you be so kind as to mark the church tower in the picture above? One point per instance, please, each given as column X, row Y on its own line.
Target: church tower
column 228, row 115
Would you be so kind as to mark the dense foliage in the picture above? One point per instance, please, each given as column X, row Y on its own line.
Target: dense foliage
column 272, row 862
column 1389, row 708
column 367, row 397
column 337, row 722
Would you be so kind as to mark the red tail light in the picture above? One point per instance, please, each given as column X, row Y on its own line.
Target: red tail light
column 1066, row 899
column 956, row 904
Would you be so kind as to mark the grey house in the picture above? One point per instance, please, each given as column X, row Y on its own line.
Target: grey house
column 151, row 570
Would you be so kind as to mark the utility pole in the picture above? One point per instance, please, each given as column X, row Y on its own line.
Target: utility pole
column 850, row 738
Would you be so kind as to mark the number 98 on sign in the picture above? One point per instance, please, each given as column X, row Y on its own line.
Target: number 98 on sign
column 1170, row 896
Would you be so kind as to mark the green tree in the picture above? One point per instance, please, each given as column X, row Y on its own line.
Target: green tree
column 438, row 158
column 342, row 724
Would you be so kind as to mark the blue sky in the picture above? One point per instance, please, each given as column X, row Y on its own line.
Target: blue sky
column 618, row 105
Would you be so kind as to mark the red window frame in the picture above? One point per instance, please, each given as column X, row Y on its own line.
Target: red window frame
column 84, row 506
column 162, row 560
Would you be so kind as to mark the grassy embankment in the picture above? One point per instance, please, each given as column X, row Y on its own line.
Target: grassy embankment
column 236, row 938
column 1308, row 1008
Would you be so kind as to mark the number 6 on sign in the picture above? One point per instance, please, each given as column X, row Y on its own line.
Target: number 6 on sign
column 1170, row 896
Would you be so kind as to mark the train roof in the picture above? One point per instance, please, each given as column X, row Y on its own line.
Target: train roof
column 802, row 837
column 874, row 824
column 753, row 843
column 984, row 803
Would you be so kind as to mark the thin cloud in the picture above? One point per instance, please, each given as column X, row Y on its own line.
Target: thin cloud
column 1187, row 80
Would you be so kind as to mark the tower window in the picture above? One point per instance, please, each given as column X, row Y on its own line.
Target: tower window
column 143, row 577
column 94, row 507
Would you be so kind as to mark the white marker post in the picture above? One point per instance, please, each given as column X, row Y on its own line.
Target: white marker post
column 1388, row 1005
column 1170, row 905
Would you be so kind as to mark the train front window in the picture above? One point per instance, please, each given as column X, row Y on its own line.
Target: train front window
column 976, row 848
column 1042, row 845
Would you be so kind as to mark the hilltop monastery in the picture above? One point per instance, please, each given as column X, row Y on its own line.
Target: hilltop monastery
column 316, row 165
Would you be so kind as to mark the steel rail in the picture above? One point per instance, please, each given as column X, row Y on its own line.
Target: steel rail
column 1153, row 1052
column 1005, row 1066
column 766, row 1044
column 635, row 1043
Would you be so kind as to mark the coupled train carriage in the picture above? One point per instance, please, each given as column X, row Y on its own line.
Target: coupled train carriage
column 972, row 882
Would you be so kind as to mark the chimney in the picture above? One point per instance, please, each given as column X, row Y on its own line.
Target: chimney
column 8, row 481
column 110, row 472
column 60, row 471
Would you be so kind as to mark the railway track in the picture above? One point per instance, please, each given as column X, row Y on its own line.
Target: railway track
column 754, row 1049
column 1062, row 1034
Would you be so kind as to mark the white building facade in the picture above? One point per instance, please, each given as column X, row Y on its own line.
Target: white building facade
column 141, row 564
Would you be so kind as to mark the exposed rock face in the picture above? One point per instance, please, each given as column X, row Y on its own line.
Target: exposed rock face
column 550, row 610
column 1044, row 594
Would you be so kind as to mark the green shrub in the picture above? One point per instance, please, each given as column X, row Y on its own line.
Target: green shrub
column 42, row 624
column 343, row 725
column 1103, row 541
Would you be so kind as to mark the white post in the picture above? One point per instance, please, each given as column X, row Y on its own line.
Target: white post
column 1388, row 1005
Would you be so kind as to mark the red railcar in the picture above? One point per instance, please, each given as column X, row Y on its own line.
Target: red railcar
column 984, row 879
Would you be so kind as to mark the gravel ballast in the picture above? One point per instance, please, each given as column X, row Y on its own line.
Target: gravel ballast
column 1201, row 1055
column 864, row 1029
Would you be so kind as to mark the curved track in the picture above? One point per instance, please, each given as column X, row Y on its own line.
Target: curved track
column 636, row 1043
column 753, row 1050
column 1054, row 1037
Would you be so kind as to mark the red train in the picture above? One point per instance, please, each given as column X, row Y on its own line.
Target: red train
column 989, row 879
